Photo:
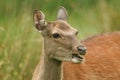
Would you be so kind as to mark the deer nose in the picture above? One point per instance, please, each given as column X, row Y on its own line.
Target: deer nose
column 82, row 50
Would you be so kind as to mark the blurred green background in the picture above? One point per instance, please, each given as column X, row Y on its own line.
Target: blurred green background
column 20, row 43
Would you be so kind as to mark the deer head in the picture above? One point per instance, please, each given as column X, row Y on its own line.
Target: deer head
column 60, row 42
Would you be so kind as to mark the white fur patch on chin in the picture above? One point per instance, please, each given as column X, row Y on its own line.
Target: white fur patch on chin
column 75, row 60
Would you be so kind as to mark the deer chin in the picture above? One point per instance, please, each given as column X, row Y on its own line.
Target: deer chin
column 77, row 58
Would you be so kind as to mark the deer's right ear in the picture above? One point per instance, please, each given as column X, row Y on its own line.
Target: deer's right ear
column 39, row 20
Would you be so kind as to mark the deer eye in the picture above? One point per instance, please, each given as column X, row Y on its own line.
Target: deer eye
column 56, row 35
column 77, row 33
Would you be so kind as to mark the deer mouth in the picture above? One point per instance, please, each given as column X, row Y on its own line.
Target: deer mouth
column 76, row 58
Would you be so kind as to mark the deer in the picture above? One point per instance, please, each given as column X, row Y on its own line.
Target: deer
column 64, row 57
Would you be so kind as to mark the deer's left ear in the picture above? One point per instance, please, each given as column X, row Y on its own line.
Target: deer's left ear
column 39, row 20
column 62, row 14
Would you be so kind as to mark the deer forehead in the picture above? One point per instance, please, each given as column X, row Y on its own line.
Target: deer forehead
column 63, row 27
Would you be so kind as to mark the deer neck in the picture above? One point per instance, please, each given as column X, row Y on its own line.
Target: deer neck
column 50, row 69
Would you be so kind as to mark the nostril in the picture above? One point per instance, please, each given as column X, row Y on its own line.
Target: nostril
column 82, row 50
column 79, row 48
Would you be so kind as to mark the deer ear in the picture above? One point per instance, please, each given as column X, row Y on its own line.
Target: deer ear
column 39, row 20
column 62, row 14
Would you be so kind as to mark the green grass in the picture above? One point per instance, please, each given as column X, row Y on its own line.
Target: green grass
column 20, row 43
column 18, row 48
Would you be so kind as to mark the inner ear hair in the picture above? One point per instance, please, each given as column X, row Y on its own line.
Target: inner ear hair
column 39, row 20
column 62, row 14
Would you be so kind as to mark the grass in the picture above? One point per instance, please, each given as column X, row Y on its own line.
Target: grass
column 20, row 43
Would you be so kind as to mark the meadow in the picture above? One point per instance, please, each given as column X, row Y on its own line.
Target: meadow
column 20, row 42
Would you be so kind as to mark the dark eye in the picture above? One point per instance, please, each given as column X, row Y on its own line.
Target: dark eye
column 77, row 32
column 56, row 35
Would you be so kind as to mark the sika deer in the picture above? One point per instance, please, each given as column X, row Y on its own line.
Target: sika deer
column 61, row 45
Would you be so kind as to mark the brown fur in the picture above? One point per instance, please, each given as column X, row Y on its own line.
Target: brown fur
column 102, row 61
column 61, row 26
column 60, row 44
